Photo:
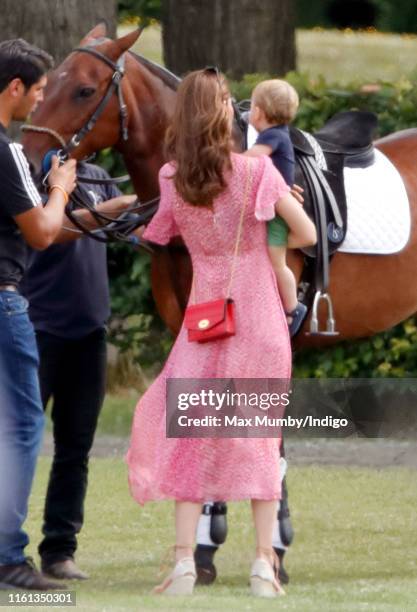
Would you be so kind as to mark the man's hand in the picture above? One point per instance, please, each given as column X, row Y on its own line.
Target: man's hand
column 117, row 205
column 64, row 176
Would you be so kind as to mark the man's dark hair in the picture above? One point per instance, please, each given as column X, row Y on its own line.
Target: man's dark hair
column 20, row 60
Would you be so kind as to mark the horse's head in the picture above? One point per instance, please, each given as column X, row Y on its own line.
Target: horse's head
column 75, row 90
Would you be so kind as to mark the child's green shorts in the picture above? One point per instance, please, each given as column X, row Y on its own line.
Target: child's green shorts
column 277, row 232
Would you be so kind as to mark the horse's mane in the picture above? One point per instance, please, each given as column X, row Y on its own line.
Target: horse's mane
column 168, row 77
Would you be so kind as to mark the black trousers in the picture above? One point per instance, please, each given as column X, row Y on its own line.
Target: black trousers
column 73, row 373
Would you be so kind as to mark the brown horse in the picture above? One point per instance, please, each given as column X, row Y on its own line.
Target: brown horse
column 370, row 293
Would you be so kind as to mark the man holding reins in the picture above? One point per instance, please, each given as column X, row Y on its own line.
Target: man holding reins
column 23, row 220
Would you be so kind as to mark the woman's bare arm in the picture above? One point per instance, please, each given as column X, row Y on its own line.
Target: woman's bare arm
column 302, row 231
column 258, row 149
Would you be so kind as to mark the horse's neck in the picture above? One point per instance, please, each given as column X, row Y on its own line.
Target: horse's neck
column 151, row 107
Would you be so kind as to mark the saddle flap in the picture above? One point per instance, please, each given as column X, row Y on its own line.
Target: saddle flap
column 349, row 130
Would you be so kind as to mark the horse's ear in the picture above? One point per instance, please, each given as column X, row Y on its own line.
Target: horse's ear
column 99, row 31
column 120, row 45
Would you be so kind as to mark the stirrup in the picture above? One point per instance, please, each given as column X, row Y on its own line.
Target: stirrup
column 330, row 323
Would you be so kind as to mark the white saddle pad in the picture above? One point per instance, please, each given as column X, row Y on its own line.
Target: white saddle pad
column 378, row 209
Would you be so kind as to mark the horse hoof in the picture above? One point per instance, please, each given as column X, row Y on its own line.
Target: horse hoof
column 282, row 573
column 206, row 575
column 206, row 570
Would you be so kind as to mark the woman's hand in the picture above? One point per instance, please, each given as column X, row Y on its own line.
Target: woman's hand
column 64, row 176
column 296, row 192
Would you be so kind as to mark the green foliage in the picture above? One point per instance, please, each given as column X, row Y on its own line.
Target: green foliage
column 134, row 326
column 312, row 14
column 389, row 17
column 394, row 103
column 392, row 354
column 146, row 10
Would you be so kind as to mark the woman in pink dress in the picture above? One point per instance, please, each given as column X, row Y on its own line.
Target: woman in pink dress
column 202, row 193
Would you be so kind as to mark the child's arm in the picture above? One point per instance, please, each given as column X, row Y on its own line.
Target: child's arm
column 302, row 230
column 259, row 149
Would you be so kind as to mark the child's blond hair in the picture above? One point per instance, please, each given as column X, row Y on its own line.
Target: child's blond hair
column 277, row 99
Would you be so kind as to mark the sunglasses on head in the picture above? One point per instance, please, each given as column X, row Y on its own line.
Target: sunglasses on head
column 212, row 70
column 216, row 72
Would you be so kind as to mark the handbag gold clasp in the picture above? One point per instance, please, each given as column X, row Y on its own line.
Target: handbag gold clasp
column 203, row 324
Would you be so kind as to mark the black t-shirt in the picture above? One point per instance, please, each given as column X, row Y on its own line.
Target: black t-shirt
column 18, row 194
column 67, row 284
column 278, row 138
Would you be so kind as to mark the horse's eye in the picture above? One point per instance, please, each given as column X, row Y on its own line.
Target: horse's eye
column 85, row 92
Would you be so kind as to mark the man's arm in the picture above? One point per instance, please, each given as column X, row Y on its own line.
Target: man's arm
column 111, row 208
column 38, row 224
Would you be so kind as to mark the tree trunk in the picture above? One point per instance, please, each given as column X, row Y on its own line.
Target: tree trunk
column 238, row 36
column 55, row 25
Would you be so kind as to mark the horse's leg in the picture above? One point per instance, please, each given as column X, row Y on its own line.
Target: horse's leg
column 211, row 532
column 171, row 275
column 283, row 530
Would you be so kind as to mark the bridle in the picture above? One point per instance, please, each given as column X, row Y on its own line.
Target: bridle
column 113, row 87
column 125, row 224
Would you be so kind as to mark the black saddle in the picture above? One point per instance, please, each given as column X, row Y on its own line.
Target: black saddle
column 345, row 140
column 348, row 133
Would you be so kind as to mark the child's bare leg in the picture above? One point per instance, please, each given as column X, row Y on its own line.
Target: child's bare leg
column 287, row 285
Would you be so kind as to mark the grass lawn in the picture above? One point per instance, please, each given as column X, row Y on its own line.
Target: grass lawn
column 355, row 546
column 340, row 56
column 117, row 413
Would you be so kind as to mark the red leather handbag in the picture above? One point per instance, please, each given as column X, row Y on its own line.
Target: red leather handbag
column 215, row 320
column 210, row 320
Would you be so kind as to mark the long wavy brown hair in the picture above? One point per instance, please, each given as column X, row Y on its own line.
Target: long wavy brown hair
column 199, row 137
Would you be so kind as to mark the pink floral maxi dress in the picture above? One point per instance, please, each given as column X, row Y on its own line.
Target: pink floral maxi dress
column 198, row 469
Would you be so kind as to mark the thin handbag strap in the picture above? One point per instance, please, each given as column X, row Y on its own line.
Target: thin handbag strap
column 240, row 228
column 238, row 237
